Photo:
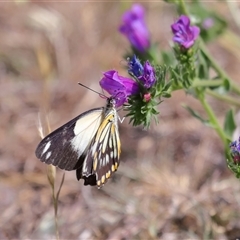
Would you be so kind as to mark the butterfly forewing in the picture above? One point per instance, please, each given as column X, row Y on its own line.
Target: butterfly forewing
column 66, row 146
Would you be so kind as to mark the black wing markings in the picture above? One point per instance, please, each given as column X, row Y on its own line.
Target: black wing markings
column 102, row 158
column 57, row 149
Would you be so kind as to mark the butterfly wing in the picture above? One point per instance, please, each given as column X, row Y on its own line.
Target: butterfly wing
column 102, row 159
column 66, row 147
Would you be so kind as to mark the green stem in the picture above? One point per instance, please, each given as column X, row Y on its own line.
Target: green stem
column 224, row 98
column 213, row 120
column 182, row 7
column 217, row 68
column 235, row 87
column 215, row 83
column 206, row 83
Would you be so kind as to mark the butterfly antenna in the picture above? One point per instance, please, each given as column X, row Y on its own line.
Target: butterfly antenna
column 100, row 94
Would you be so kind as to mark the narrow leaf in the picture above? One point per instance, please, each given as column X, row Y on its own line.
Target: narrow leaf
column 229, row 124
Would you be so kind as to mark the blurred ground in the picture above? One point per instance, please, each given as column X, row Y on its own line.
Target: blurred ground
column 172, row 183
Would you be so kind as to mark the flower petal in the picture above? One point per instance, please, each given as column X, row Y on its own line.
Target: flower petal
column 118, row 87
column 134, row 28
column 111, row 83
column 184, row 34
column 148, row 78
column 135, row 67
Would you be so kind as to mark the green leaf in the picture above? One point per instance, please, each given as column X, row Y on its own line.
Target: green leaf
column 235, row 168
column 167, row 57
column 226, row 84
column 229, row 124
column 166, row 95
column 203, row 69
column 167, row 86
column 197, row 116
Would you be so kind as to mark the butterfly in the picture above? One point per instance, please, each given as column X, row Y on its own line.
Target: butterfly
column 89, row 144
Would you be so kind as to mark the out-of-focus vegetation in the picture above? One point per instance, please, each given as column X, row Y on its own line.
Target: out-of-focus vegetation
column 173, row 182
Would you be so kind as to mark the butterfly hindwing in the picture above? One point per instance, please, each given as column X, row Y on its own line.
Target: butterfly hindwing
column 109, row 159
column 102, row 159
column 66, row 146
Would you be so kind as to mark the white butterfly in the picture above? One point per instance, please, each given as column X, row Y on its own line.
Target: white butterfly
column 89, row 144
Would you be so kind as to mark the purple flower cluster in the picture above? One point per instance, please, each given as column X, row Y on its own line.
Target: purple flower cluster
column 148, row 78
column 120, row 88
column 135, row 29
column 184, row 34
column 145, row 74
column 235, row 151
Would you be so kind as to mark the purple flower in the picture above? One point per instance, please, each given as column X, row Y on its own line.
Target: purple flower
column 118, row 87
column 135, row 67
column 145, row 74
column 148, row 77
column 134, row 28
column 235, row 151
column 207, row 23
column 184, row 34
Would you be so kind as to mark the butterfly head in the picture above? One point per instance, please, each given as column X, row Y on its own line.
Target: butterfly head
column 112, row 102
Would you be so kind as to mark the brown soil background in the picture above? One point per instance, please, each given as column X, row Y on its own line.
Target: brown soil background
column 173, row 182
